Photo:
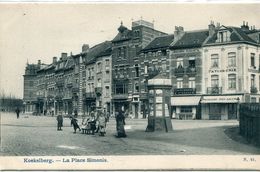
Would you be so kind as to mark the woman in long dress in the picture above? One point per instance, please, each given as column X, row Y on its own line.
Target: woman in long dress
column 120, row 122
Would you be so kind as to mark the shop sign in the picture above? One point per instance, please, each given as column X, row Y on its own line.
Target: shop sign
column 222, row 70
column 221, row 99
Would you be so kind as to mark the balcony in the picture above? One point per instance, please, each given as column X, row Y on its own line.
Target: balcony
column 184, row 91
column 253, row 90
column 89, row 95
column 69, row 84
column 68, row 95
column 120, row 96
column 98, row 91
column 59, row 83
column 179, row 71
column 191, row 71
column 214, row 90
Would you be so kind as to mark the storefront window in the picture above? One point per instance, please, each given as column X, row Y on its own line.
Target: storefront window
column 186, row 109
column 214, row 108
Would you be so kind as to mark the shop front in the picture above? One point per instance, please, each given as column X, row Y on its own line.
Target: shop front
column 221, row 107
column 185, row 108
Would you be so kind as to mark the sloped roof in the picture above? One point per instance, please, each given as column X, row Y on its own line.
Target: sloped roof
column 126, row 35
column 97, row 51
column 159, row 43
column 237, row 35
column 191, row 39
column 69, row 63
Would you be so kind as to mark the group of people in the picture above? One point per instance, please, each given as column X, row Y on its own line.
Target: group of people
column 95, row 123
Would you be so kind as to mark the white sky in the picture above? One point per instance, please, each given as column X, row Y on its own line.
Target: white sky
column 41, row 31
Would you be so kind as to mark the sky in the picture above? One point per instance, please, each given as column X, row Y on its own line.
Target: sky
column 39, row 31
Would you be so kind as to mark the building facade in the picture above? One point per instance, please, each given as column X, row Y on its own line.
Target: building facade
column 126, row 65
column 230, row 71
column 186, row 72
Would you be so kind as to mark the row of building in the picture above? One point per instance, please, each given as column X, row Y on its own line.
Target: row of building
column 212, row 71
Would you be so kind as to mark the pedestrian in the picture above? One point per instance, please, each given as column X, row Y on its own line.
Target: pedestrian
column 102, row 124
column 120, row 122
column 60, row 121
column 107, row 115
column 17, row 112
column 74, row 123
column 84, row 124
column 92, row 123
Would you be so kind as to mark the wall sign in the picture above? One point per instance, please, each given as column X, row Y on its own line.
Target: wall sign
column 222, row 70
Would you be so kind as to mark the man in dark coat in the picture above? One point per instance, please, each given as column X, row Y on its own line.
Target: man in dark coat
column 60, row 121
column 17, row 112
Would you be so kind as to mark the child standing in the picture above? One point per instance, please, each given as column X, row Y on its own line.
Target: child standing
column 75, row 124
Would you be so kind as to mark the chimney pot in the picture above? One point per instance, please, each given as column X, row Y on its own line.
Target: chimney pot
column 85, row 47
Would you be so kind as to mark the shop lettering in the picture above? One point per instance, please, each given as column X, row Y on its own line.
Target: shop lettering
column 222, row 70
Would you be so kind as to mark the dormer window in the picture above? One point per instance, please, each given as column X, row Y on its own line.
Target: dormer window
column 223, row 36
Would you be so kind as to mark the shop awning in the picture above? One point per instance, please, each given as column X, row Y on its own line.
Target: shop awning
column 185, row 101
column 222, row 99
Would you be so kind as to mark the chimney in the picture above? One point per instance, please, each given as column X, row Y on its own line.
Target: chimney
column 85, row 48
column 179, row 32
column 245, row 27
column 211, row 28
column 54, row 60
column 64, row 55
column 217, row 25
column 39, row 62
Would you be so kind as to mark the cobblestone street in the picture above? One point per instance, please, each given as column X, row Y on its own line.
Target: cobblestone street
column 38, row 135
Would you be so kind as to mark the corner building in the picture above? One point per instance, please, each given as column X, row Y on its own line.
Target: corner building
column 231, row 61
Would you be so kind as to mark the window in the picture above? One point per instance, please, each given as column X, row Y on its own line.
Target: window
column 99, row 67
column 136, row 70
column 136, row 87
column 164, row 66
column 145, row 69
column 84, row 73
column 214, row 81
column 120, row 88
column 179, row 82
column 231, row 81
column 99, row 82
column 107, row 62
column 186, row 109
column 231, row 59
column 214, row 60
column 252, row 80
column 192, row 83
column 253, row 99
column 179, row 62
column 252, row 60
column 107, row 91
column 215, row 108
column 164, row 52
column 31, row 83
column 192, row 63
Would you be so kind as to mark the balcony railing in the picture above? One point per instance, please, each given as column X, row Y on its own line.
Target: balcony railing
column 179, row 71
column 184, row 91
column 89, row 95
column 214, row 90
column 253, row 90
column 191, row 71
